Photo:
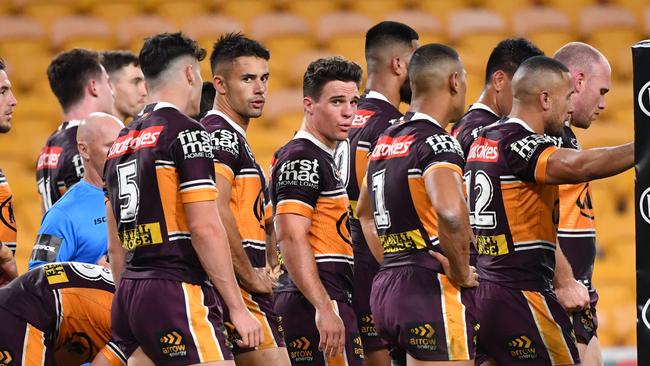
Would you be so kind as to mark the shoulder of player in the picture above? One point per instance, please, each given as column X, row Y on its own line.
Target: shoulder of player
column 213, row 122
column 298, row 149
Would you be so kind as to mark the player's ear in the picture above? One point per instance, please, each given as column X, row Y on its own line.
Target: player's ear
column 579, row 81
column 189, row 75
column 219, row 83
column 308, row 105
column 93, row 87
column 454, row 83
column 397, row 65
column 83, row 150
column 498, row 80
column 545, row 100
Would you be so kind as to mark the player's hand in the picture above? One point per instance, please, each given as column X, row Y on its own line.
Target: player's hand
column 332, row 332
column 248, row 328
column 573, row 296
column 260, row 283
column 470, row 280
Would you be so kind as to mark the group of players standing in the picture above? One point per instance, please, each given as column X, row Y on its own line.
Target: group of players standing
column 398, row 242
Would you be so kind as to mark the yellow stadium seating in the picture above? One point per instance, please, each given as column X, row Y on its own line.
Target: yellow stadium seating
column 343, row 33
column 132, row 31
column 180, row 12
column 428, row 27
column 245, row 10
column 115, row 11
column 549, row 28
column 311, row 10
column 83, row 32
column 376, row 9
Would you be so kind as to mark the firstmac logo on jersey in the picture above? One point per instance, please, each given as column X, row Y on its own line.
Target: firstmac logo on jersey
column 528, row 145
column 392, row 147
column 195, row 144
column 361, row 118
column 444, row 144
column 134, row 141
column 301, row 172
column 484, row 150
column 224, row 140
column 49, row 157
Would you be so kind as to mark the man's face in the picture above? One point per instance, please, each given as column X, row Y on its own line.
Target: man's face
column 130, row 90
column 7, row 103
column 405, row 92
column 100, row 143
column 334, row 110
column 590, row 100
column 561, row 107
column 245, row 83
column 104, row 93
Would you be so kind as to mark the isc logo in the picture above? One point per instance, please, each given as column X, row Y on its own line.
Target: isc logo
column 361, row 118
column 485, row 150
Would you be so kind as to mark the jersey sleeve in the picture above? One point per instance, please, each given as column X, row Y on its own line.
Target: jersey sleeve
column 227, row 148
column 296, row 183
column 56, row 240
column 527, row 156
column 113, row 354
column 191, row 151
column 440, row 151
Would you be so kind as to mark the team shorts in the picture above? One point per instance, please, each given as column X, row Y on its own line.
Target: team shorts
column 261, row 306
column 524, row 327
column 364, row 273
column 175, row 323
column 585, row 322
column 23, row 344
column 302, row 337
column 421, row 313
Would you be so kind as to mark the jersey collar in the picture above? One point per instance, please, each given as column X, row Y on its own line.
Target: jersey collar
column 302, row 134
column 69, row 124
column 232, row 123
column 420, row 115
column 376, row 95
column 160, row 105
column 479, row 105
column 521, row 122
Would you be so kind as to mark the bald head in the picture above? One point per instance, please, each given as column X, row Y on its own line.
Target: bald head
column 95, row 136
column 580, row 56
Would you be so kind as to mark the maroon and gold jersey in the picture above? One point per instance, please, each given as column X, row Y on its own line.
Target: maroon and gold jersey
column 577, row 229
column 7, row 218
column 467, row 128
column 513, row 213
column 69, row 302
column 404, row 216
column 59, row 164
column 305, row 182
column 234, row 160
column 374, row 115
column 160, row 162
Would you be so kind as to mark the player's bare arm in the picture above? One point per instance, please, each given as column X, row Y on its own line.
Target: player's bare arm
column 209, row 242
column 292, row 231
column 365, row 215
column 567, row 166
column 7, row 265
column 572, row 294
column 116, row 253
column 445, row 190
column 272, row 260
column 244, row 270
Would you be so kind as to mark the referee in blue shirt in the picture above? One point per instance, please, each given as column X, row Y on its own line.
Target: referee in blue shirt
column 74, row 228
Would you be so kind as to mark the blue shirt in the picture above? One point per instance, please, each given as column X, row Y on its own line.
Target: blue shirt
column 74, row 229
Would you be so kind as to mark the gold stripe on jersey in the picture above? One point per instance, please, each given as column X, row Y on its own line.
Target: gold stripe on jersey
column 549, row 329
column 443, row 164
column 225, row 171
column 202, row 330
column 529, row 208
column 542, row 161
column 294, row 207
column 361, row 164
column 453, row 313
column 575, row 215
column 34, row 347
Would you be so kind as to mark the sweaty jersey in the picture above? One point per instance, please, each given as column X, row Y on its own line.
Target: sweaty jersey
column 234, row 160
column 70, row 302
column 374, row 115
column 73, row 229
column 577, row 229
column 7, row 218
column 404, row 216
column 59, row 164
column 467, row 128
column 305, row 182
column 160, row 162
column 513, row 213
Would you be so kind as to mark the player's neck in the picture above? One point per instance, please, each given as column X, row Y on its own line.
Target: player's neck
column 432, row 105
column 385, row 86
column 319, row 136
column 530, row 117
column 489, row 98
column 169, row 96
column 121, row 116
column 225, row 108
column 91, row 177
column 80, row 111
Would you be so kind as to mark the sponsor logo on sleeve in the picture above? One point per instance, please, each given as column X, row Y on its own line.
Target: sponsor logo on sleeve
column 527, row 146
column 226, row 141
column 300, row 172
column 46, row 248
column 134, row 141
column 484, row 150
column 444, row 144
column 392, row 147
column 49, row 157
column 361, row 118
column 195, row 144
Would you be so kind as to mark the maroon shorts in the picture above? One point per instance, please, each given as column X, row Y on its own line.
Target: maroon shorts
column 524, row 327
column 261, row 306
column 301, row 334
column 175, row 323
column 364, row 273
column 421, row 313
column 585, row 322
column 23, row 344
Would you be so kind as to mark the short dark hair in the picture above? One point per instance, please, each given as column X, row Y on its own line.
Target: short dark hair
column 115, row 60
column 544, row 64
column 2, row 64
column 327, row 69
column 429, row 56
column 387, row 32
column 508, row 55
column 232, row 45
column 160, row 50
column 208, row 93
column 69, row 72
